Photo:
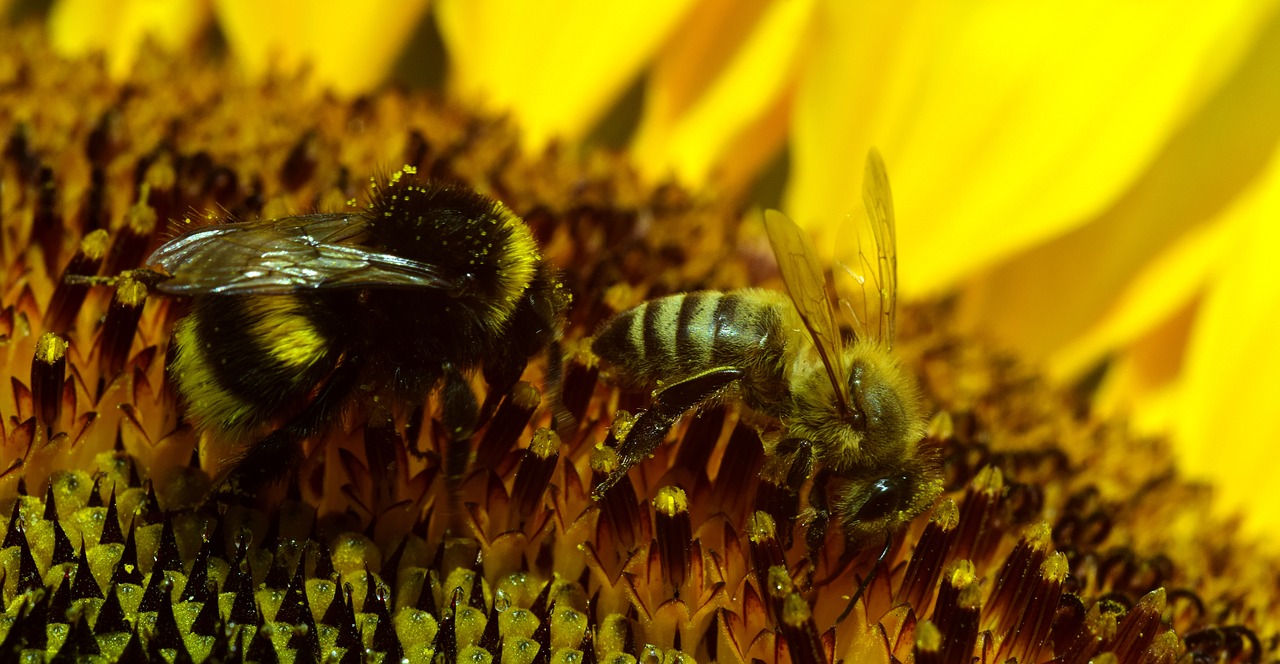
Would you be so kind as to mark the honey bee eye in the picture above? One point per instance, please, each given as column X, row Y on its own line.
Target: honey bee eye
column 888, row 494
column 856, row 420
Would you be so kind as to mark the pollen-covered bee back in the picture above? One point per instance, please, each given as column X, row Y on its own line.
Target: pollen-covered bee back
column 296, row 320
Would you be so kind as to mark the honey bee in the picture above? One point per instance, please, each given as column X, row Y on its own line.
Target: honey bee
column 844, row 413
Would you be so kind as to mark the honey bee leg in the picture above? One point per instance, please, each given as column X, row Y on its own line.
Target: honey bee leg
column 790, row 467
column 815, row 537
column 801, row 464
column 782, row 503
column 459, row 413
column 652, row 426
column 862, row 587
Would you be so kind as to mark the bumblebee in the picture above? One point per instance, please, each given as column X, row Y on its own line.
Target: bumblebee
column 295, row 320
column 845, row 414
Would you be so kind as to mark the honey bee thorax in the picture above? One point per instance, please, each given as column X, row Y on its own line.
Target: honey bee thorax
column 671, row 338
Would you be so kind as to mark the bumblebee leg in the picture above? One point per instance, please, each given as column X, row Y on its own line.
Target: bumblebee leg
column 652, row 426
column 501, row 374
column 269, row 459
column 460, row 412
column 564, row 422
column 493, row 396
column 413, row 431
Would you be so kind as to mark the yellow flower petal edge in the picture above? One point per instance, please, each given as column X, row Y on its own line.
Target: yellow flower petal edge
column 348, row 49
column 722, row 73
column 1165, row 285
column 1001, row 123
column 1044, row 300
column 555, row 70
column 1226, row 427
column 78, row 27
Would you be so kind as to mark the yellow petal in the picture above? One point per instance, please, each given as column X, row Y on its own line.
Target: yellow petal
column 1002, row 123
column 555, row 69
column 723, row 72
column 348, row 49
column 1156, row 294
column 77, row 27
column 1143, row 382
column 1058, row 295
column 1226, row 429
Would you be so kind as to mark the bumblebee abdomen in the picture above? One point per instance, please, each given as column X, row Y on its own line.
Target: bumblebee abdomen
column 243, row 361
column 673, row 337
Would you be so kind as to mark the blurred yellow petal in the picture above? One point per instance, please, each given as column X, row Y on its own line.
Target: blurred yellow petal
column 1143, row 381
column 1226, row 427
column 713, row 86
column 1049, row 297
column 555, row 68
column 78, row 27
column 1156, row 294
column 348, row 48
column 1002, row 123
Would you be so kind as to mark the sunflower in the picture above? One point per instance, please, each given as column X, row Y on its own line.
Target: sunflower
column 1056, row 144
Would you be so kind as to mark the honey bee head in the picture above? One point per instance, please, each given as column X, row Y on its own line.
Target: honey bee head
column 884, row 417
column 884, row 401
column 875, row 501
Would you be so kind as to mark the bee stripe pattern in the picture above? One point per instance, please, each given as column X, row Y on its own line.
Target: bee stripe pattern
column 689, row 333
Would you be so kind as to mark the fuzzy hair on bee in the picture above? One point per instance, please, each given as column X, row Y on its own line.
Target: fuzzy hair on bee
column 297, row 319
column 843, row 416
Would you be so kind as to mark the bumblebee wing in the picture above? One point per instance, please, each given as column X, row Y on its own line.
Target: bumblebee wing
column 286, row 255
column 878, row 200
column 798, row 262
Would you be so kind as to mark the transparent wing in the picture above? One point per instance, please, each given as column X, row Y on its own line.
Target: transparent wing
column 878, row 200
column 802, row 274
column 868, row 281
column 285, row 255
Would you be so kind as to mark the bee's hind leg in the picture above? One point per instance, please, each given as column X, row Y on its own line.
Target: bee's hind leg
column 459, row 412
column 413, row 431
column 651, row 427
column 280, row 452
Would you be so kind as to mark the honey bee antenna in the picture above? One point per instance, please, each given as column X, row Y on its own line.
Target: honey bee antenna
column 888, row 543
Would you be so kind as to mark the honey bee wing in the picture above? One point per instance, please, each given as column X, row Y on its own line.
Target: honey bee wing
column 286, row 255
column 878, row 199
column 798, row 262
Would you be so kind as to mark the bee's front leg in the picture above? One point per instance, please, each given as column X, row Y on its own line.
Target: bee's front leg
column 819, row 517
